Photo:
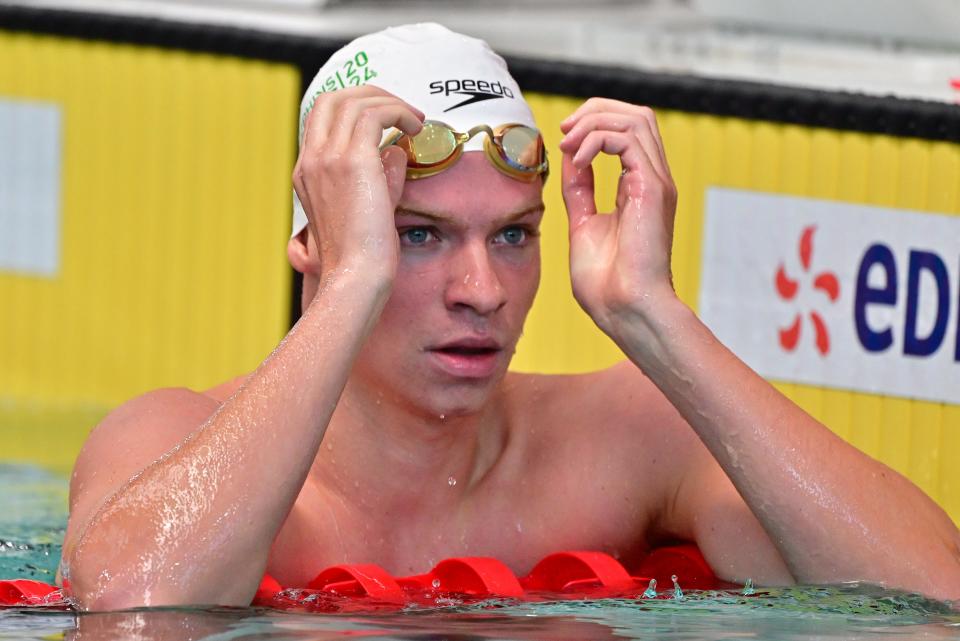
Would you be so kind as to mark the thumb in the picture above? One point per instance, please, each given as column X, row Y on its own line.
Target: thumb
column 395, row 167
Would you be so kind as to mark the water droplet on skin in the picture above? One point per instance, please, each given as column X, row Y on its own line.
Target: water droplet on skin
column 435, row 583
column 329, row 447
column 443, row 417
column 651, row 591
column 451, row 481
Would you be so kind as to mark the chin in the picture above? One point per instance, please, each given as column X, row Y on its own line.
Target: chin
column 456, row 403
column 430, row 392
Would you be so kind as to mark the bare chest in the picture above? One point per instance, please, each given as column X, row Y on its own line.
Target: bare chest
column 567, row 482
column 518, row 525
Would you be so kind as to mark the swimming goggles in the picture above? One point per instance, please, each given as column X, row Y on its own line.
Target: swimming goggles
column 514, row 149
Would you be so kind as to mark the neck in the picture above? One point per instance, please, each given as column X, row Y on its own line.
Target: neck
column 381, row 453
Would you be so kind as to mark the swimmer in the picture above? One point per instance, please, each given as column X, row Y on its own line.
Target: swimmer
column 386, row 428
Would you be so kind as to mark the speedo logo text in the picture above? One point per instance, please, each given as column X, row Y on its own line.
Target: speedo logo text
column 474, row 90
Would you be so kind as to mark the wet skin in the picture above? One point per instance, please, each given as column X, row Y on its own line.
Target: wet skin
column 414, row 416
column 386, row 429
column 526, row 451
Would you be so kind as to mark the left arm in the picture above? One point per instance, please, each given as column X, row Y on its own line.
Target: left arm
column 833, row 513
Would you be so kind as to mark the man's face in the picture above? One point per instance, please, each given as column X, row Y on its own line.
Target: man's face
column 468, row 272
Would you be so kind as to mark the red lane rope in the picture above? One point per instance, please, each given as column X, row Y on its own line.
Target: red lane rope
column 580, row 573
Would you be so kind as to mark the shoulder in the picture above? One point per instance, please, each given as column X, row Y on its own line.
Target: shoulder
column 610, row 443
column 223, row 391
column 148, row 421
column 620, row 400
column 615, row 416
column 129, row 439
column 139, row 431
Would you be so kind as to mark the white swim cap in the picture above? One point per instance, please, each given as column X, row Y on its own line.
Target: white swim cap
column 450, row 77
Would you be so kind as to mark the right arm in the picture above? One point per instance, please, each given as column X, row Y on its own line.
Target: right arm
column 196, row 525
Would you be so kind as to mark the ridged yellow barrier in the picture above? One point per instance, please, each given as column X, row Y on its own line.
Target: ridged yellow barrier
column 174, row 196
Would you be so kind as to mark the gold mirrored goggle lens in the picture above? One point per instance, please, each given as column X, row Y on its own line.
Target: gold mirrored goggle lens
column 434, row 144
column 522, row 148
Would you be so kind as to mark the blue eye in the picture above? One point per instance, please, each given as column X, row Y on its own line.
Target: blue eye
column 513, row 236
column 416, row 236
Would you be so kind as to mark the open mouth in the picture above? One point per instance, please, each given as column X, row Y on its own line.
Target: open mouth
column 468, row 358
column 459, row 350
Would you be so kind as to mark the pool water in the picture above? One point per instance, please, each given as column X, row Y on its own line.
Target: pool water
column 33, row 517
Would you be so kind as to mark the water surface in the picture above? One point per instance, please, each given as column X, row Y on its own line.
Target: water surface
column 33, row 517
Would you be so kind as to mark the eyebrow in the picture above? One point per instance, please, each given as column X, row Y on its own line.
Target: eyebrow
column 440, row 218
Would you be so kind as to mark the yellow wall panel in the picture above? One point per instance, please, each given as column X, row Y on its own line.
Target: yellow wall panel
column 923, row 464
column 691, row 152
column 175, row 201
column 948, row 493
column 864, row 424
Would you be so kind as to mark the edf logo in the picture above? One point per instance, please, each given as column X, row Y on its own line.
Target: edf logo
column 834, row 294
column 877, row 339
column 787, row 288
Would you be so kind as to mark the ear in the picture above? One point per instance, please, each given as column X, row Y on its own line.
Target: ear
column 302, row 253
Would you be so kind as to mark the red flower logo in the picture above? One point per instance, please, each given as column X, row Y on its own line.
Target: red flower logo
column 787, row 289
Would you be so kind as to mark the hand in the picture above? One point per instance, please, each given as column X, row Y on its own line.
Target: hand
column 348, row 188
column 619, row 263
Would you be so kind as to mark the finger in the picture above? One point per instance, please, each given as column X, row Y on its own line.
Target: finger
column 347, row 119
column 654, row 153
column 371, row 123
column 317, row 125
column 651, row 119
column 608, row 121
column 616, row 143
column 606, row 105
column 591, row 105
column 395, row 168
column 303, row 195
column 640, row 120
column 301, row 191
column 578, row 194
column 594, row 105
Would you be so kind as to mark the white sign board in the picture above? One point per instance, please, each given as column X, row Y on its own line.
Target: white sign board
column 835, row 294
column 30, row 162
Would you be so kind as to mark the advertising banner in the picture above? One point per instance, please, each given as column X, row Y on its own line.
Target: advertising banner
column 835, row 294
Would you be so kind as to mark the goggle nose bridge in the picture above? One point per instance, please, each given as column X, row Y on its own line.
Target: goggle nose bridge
column 462, row 138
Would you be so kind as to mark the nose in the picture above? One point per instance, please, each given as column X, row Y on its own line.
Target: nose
column 473, row 282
